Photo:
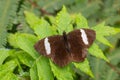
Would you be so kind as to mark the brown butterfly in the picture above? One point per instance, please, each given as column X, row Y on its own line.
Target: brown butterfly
column 63, row 49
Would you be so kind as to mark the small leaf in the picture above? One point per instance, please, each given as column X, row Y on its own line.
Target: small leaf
column 3, row 54
column 43, row 68
column 61, row 73
column 102, row 31
column 40, row 26
column 9, row 76
column 33, row 72
column 26, row 42
column 84, row 66
column 7, row 67
column 7, row 16
column 43, row 29
column 114, row 56
column 25, row 58
column 12, row 40
column 81, row 22
column 63, row 21
column 31, row 18
column 97, row 52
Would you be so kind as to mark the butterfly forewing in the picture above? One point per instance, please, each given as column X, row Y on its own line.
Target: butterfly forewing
column 84, row 37
column 91, row 35
column 58, row 53
column 79, row 41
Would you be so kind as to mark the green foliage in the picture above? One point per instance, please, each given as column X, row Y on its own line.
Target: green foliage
column 86, row 7
column 84, row 66
column 66, row 22
column 6, row 71
column 63, row 21
column 26, row 42
column 40, row 26
column 80, row 21
column 7, row 13
column 43, row 68
column 61, row 73
column 24, row 58
column 100, row 34
column 3, row 55
column 101, row 70
column 34, row 72
column 53, row 5
column 97, row 52
column 19, row 33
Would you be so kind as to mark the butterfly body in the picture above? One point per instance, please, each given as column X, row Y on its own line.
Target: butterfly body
column 63, row 49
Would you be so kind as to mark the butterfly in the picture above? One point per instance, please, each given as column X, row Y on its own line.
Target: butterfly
column 66, row 48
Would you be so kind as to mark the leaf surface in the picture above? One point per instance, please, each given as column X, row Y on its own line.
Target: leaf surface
column 85, row 67
column 61, row 73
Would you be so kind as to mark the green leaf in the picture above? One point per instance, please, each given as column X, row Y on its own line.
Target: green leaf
column 9, row 76
column 7, row 67
column 63, row 21
column 26, row 42
column 81, row 22
column 84, row 66
column 7, row 15
column 64, row 73
column 43, row 29
column 98, row 68
column 12, row 40
column 97, row 52
column 52, row 6
column 85, row 7
column 32, row 19
column 101, row 70
column 43, row 68
column 102, row 31
column 24, row 58
column 111, row 75
column 33, row 72
column 113, row 56
column 4, row 53
column 40, row 26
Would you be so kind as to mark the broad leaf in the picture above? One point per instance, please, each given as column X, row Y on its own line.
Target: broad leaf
column 81, row 22
column 102, row 31
column 63, row 21
column 4, row 53
column 61, row 73
column 12, row 40
column 34, row 72
column 7, row 67
column 43, row 68
column 84, row 66
column 9, row 76
column 26, row 42
column 97, row 52
column 40, row 26
column 25, row 58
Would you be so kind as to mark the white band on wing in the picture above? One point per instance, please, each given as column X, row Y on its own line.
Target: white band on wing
column 84, row 37
column 47, row 46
